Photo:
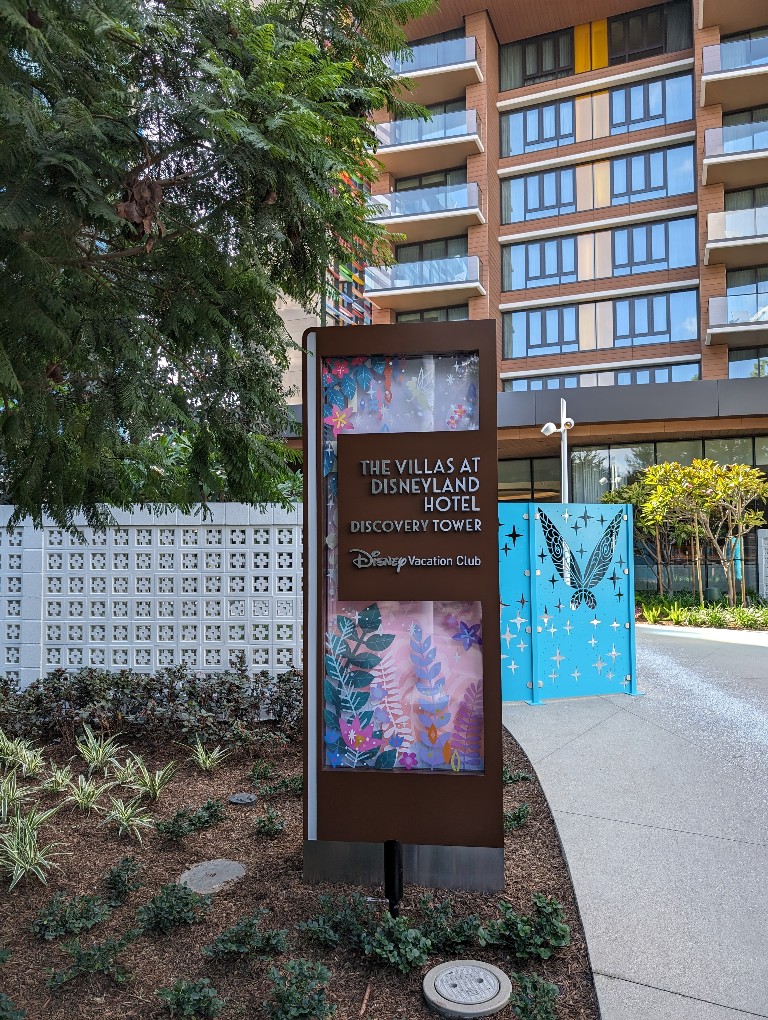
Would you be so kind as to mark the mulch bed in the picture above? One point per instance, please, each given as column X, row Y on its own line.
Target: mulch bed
column 534, row 863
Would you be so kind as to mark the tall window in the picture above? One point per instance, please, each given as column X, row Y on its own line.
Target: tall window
column 435, row 179
column 443, row 248
column 751, row 363
column 747, row 294
column 746, row 198
column 745, row 131
column 650, row 32
column 452, row 314
column 542, row 58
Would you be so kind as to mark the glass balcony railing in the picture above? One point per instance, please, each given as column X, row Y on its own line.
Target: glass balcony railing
column 435, row 273
column 739, row 223
column 458, row 124
column 430, row 56
column 734, row 138
column 739, row 310
column 735, row 55
column 425, row 201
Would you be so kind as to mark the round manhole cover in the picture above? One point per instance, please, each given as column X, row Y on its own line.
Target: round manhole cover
column 467, row 985
column 243, row 799
column 467, row 988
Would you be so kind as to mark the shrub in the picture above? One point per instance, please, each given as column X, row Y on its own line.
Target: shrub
column 98, row 959
column 508, row 777
column 290, row 785
column 533, row 998
column 677, row 614
column 151, row 784
column 122, row 880
column 205, row 759
column 62, row 916
column 192, row 999
column 529, row 937
column 173, row 907
column 396, row 942
column 298, row 992
column 270, row 824
column 96, row 750
column 128, row 817
column 187, row 820
column 446, row 933
column 12, row 796
column 245, row 938
column 8, row 1011
column 517, row 818
column 85, row 793
column 653, row 614
column 21, row 854
column 174, row 703
column 261, row 770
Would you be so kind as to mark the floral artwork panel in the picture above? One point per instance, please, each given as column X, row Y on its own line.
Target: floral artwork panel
column 403, row 682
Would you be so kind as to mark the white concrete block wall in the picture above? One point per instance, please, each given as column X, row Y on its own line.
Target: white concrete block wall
column 155, row 590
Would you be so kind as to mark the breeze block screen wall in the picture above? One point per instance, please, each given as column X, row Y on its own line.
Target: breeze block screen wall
column 153, row 591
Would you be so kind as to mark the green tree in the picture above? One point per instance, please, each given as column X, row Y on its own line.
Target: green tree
column 166, row 170
column 719, row 502
column 655, row 542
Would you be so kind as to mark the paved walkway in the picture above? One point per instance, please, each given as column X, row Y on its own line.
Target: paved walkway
column 661, row 803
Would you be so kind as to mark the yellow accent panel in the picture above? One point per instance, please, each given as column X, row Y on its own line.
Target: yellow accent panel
column 602, row 184
column 599, row 43
column 582, row 49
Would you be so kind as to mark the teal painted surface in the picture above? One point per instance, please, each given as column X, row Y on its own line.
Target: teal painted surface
column 567, row 600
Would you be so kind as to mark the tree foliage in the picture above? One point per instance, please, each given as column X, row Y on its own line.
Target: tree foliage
column 719, row 501
column 167, row 169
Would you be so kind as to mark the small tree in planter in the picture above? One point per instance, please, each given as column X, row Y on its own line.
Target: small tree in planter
column 718, row 501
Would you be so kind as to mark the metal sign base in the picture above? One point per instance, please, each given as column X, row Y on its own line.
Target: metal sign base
column 471, row 868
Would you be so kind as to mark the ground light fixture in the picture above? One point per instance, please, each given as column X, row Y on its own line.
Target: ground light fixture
column 549, row 429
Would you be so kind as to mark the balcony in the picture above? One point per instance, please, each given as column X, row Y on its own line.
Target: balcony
column 440, row 70
column 737, row 239
column 735, row 155
column 408, row 147
column 735, row 74
column 426, row 213
column 738, row 320
column 731, row 15
column 412, row 285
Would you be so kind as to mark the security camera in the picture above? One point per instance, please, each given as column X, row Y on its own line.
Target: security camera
column 549, row 428
column 568, row 423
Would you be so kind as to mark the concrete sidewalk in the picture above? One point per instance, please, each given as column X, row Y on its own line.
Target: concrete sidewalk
column 660, row 802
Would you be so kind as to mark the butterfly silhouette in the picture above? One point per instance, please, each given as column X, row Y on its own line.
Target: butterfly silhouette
column 567, row 566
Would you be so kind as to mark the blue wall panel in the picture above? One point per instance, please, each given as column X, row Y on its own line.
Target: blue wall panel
column 567, row 600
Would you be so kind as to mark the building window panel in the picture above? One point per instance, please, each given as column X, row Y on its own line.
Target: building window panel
column 734, row 450
column 688, row 372
column 625, row 322
column 750, row 363
column 637, row 35
column 635, row 107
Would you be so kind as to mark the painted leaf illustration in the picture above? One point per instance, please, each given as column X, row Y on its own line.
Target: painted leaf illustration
column 467, row 737
column 391, row 702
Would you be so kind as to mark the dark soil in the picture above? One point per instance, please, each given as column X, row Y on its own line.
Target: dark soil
column 534, row 863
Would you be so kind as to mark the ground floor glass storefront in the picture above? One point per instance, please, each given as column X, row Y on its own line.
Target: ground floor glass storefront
column 597, row 470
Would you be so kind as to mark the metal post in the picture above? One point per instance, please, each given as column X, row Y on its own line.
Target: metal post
column 563, row 454
column 393, row 874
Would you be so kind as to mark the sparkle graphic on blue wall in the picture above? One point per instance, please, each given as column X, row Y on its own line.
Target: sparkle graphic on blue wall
column 567, row 600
